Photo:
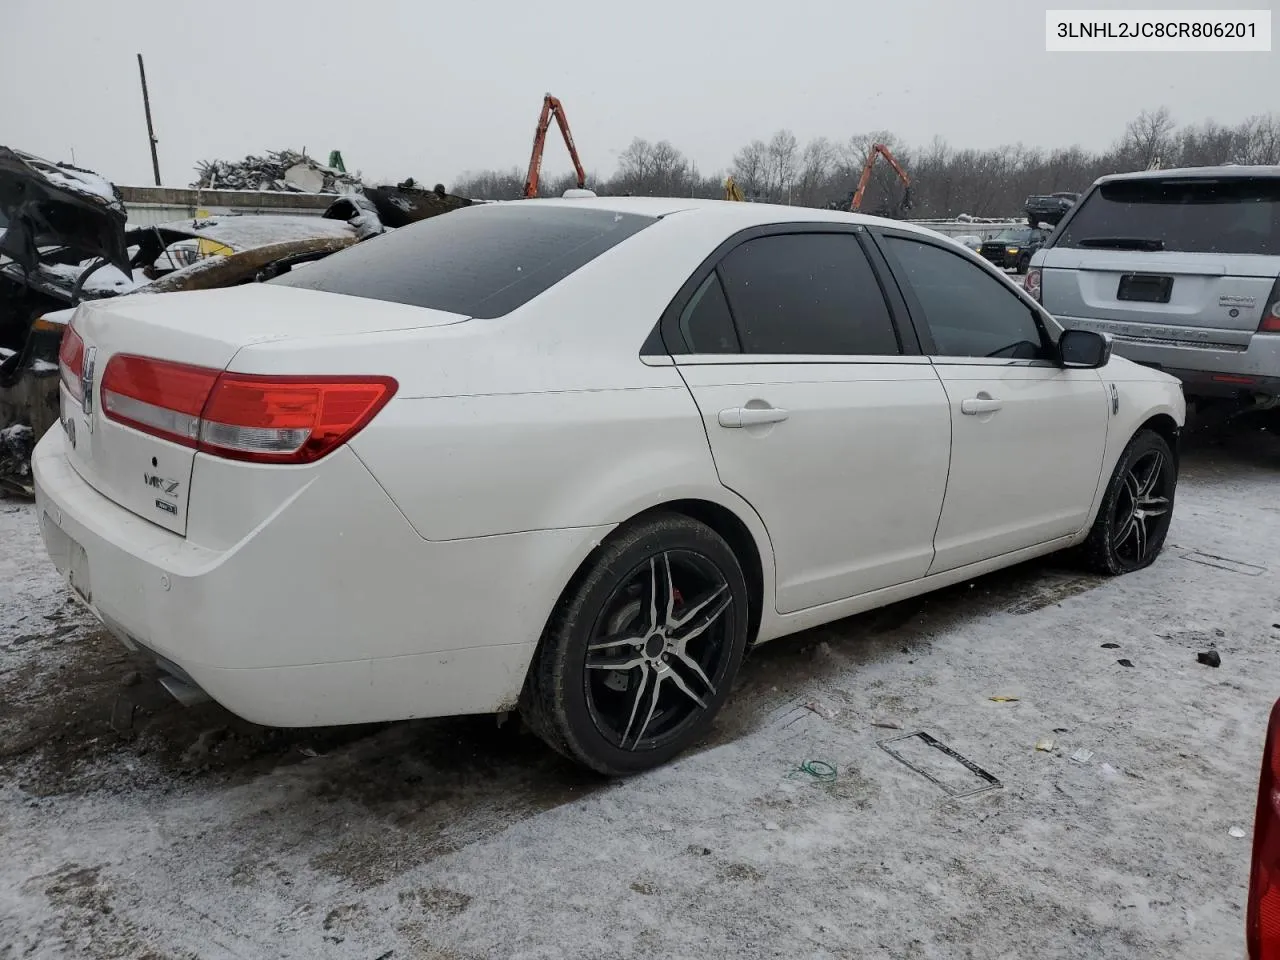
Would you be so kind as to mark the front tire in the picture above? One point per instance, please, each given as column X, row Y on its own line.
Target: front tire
column 1136, row 511
column 642, row 649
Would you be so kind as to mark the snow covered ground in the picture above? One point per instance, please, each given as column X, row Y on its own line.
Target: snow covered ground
column 193, row 834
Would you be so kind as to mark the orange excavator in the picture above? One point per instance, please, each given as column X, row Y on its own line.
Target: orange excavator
column 882, row 150
column 551, row 107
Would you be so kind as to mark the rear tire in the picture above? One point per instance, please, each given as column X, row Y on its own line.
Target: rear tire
column 1136, row 510
column 642, row 648
column 1024, row 264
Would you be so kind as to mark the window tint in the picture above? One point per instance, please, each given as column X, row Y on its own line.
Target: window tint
column 970, row 313
column 705, row 322
column 807, row 293
column 482, row 261
column 1228, row 215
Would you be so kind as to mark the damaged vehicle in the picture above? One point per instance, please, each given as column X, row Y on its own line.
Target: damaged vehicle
column 66, row 242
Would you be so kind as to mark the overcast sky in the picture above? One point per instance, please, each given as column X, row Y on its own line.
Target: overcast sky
column 429, row 90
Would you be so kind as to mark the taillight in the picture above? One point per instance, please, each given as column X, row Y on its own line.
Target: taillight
column 157, row 397
column 1262, row 926
column 71, row 362
column 240, row 416
column 1031, row 283
column 288, row 419
column 1271, row 315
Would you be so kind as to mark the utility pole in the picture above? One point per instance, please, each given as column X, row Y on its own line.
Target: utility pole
column 151, row 132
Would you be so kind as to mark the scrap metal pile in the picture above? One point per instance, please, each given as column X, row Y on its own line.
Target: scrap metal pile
column 280, row 170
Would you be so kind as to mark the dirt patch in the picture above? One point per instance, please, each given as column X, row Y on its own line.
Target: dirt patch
column 82, row 708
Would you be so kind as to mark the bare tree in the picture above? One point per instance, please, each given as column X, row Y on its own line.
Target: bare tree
column 751, row 168
column 782, row 165
column 1148, row 139
column 816, row 164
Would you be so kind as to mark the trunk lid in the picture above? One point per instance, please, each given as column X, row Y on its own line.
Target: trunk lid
column 151, row 476
column 1211, row 298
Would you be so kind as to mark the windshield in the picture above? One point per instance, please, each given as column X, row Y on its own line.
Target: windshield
column 1228, row 215
column 1015, row 236
column 481, row 261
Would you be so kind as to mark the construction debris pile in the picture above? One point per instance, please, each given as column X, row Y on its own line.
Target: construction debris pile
column 279, row 170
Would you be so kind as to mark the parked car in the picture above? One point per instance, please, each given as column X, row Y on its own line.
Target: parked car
column 1049, row 208
column 1262, row 918
column 1182, row 268
column 1013, row 249
column 574, row 457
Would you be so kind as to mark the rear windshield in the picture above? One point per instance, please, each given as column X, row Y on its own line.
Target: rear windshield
column 1231, row 215
column 482, row 261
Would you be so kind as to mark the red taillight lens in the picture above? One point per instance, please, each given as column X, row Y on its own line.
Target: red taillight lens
column 71, row 362
column 1271, row 319
column 1262, row 926
column 1271, row 315
column 288, row 419
column 241, row 416
column 1031, row 283
column 157, row 397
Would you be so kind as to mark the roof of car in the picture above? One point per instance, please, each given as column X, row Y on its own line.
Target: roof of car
column 741, row 214
column 1184, row 173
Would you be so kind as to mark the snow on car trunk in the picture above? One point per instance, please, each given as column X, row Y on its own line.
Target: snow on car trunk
column 137, row 372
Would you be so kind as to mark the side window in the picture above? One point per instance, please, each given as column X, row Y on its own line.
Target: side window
column 706, row 324
column 970, row 313
column 807, row 293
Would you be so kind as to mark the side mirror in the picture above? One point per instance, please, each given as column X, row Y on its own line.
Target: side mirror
column 1084, row 349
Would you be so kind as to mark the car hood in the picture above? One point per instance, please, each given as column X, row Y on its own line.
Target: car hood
column 51, row 205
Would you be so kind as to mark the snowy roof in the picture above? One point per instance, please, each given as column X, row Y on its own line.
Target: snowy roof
column 84, row 182
column 257, row 230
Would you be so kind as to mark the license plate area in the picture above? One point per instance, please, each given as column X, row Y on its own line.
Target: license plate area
column 68, row 556
column 1145, row 288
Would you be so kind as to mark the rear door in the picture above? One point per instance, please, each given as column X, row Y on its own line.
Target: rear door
column 1178, row 260
column 1027, row 435
column 819, row 411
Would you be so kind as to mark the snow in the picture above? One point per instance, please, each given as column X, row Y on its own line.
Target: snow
column 79, row 181
column 256, row 230
column 107, row 280
column 455, row 839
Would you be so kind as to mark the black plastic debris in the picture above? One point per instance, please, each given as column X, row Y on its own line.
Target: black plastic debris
column 1125, row 663
column 1209, row 658
column 938, row 763
column 1111, row 646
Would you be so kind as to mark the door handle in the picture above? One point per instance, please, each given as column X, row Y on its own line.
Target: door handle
column 751, row 416
column 980, row 404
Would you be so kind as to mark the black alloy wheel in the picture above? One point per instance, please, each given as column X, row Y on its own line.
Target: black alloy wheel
column 1137, row 509
column 641, row 651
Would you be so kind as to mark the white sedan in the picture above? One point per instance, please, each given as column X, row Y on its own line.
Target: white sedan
column 573, row 457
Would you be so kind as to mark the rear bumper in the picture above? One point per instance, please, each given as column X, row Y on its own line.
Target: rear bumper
column 332, row 611
column 1204, row 371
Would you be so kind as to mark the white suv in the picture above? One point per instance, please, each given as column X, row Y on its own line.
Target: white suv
column 1182, row 268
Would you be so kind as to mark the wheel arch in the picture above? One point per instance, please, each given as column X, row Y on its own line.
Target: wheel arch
column 1164, row 425
column 745, row 535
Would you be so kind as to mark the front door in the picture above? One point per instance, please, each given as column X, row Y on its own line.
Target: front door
column 1028, row 436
